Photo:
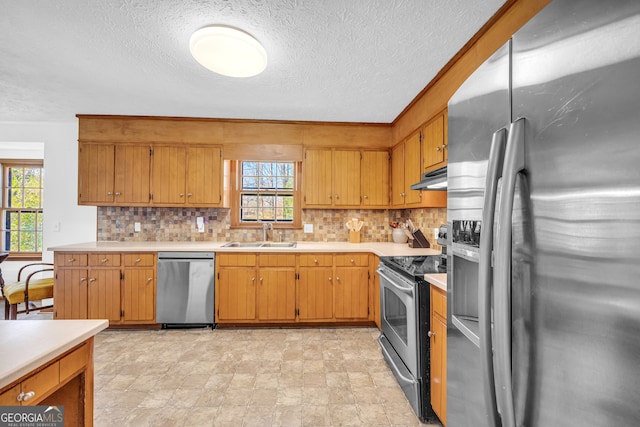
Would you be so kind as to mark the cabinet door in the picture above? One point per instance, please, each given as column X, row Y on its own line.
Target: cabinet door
column 168, row 183
column 104, row 294
column 95, row 173
column 277, row 294
column 204, row 176
column 70, row 294
column 346, row 178
column 412, row 171
column 397, row 175
column 138, row 299
column 438, row 362
column 433, row 144
column 318, row 189
column 315, row 289
column 375, row 178
column 132, row 174
column 352, row 293
column 236, row 294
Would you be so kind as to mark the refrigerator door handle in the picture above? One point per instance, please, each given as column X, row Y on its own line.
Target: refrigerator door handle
column 513, row 164
column 494, row 172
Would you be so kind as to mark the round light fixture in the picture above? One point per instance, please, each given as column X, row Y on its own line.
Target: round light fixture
column 228, row 51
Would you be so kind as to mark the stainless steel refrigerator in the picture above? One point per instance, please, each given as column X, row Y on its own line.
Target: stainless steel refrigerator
column 544, row 215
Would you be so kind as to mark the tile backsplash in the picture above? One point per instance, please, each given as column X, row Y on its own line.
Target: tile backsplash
column 179, row 224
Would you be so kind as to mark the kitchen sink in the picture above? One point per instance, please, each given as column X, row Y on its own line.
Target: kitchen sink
column 278, row 245
column 260, row 245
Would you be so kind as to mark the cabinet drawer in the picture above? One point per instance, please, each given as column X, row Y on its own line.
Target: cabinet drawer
column 352, row 260
column 236, row 260
column 41, row 383
column 439, row 302
column 270, row 260
column 138, row 260
column 74, row 362
column 10, row 397
column 104, row 260
column 316, row 260
column 71, row 260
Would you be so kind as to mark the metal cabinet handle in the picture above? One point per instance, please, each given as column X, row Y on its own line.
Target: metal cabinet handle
column 149, row 279
column 337, row 196
column 261, row 280
column 337, row 279
column 138, row 260
column 24, row 397
column 93, row 279
column 103, row 260
column 365, row 197
column 315, row 260
column 117, row 193
column 71, row 260
column 181, row 194
column 330, row 279
column 109, row 193
column 402, row 194
column 329, row 196
column 438, row 148
column 253, row 279
column 83, row 279
column 352, row 260
column 431, row 334
column 189, row 194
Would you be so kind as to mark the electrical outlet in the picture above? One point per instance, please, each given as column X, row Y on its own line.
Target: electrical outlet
column 308, row 228
column 200, row 224
column 436, row 231
column 136, row 227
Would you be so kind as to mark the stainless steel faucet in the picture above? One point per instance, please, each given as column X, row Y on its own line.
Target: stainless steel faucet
column 265, row 227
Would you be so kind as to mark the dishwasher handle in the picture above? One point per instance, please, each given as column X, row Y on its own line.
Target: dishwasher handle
column 185, row 255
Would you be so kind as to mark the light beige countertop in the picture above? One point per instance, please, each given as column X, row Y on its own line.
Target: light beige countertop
column 437, row 279
column 27, row 344
column 377, row 248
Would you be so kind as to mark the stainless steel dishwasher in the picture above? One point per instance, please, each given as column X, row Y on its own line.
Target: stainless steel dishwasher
column 185, row 296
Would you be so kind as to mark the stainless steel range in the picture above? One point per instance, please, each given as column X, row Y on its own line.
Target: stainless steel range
column 404, row 300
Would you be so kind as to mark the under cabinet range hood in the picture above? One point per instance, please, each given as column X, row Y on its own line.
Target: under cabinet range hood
column 434, row 180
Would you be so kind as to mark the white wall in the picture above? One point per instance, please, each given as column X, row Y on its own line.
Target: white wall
column 77, row 223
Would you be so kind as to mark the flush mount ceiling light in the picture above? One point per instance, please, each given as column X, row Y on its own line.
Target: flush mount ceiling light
column 228, row 51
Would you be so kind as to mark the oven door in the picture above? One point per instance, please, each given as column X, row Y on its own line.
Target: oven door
column 399, row 307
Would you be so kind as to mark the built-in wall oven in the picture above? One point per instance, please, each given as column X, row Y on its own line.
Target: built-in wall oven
column 404, row 300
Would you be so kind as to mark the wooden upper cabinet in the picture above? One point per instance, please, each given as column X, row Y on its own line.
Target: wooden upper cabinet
column 169, row 175
column 346, row 178
column 375, row 178
column 412, row 170
column 317, row 172
column 96, row 168
column 434, row 145
column 113, row 174
column 131, row 178
column 204, row 176
column 405, row 171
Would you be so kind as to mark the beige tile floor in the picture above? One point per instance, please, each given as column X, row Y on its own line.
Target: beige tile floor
column 246, row 377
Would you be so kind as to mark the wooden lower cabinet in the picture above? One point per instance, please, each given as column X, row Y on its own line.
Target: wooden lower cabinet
column 277, row 294
column 438, row 342
column 352, row 292
column 290, row 288
column 66, row 381
column 113, row 286
column 235, row 294
column 315, row 294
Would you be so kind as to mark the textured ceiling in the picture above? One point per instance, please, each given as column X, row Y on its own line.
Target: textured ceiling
column 329, row 60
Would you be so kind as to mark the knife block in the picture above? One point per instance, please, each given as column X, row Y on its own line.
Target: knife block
column 354, row 236
column 418, row 241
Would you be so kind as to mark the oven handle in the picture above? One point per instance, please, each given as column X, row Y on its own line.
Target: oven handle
column 393, row 366
column 392, row 280
column 494, row 173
